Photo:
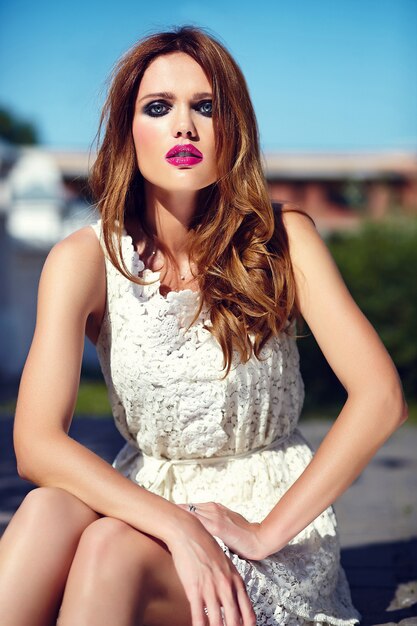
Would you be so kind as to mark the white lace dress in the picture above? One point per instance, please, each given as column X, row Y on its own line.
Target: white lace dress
column 192, row 437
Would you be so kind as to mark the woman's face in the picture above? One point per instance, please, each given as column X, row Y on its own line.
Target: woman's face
column 177, row 113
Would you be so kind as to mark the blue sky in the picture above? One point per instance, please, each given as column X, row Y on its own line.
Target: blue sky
column 323, row 74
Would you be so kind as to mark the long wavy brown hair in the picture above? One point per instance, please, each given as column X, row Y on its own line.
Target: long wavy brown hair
column 237, row 240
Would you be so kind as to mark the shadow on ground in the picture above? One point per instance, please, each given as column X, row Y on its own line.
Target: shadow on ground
column 382, row 576
column 383, row 581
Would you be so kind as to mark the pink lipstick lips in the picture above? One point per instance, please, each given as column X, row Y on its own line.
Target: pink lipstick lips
column 184, row 154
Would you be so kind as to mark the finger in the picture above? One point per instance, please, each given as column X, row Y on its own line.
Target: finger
column 212, row 604
column 212, row 516
column 186, row 507
column 208, row 524
column 183, row 505
column 204, row 512
column 204, row 506
column 231, row 608
column 245, row 605
column 198, row 617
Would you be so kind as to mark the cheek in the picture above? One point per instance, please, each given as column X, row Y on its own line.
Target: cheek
column 145, row 140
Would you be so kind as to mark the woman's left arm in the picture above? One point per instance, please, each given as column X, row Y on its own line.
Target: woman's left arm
column 374, row 409
column 375, row 406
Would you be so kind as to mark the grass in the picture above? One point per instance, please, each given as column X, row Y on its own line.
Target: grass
column 93, row 401
column 412, row 415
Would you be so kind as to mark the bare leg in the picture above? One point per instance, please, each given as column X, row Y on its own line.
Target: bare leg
column 122, row 576
column 36, row 552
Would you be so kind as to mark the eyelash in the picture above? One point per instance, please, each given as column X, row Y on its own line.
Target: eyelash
column 148, row 108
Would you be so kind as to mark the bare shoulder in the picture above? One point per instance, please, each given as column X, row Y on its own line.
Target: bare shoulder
column 80, row 246
column 313, row 264
column 297, row 222
column 74, row 272
column 299, row 228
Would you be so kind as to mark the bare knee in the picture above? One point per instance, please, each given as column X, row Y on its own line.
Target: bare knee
column 103, row 535
column 110, row 541
column 52, row 506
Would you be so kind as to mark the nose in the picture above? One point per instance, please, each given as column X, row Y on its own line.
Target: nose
column 183, row 124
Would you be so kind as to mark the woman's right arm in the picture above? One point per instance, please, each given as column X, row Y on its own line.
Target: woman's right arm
column 71, row 291
column 71, row 288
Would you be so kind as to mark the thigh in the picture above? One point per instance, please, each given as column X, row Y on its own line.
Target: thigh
column 36, row 552
column 140, row 564
column 167, row 602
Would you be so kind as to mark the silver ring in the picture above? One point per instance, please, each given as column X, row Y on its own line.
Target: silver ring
column 205, row 610
column 192, row 508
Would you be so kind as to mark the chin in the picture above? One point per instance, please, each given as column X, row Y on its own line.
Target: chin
column 186, row 179
column 186, row 183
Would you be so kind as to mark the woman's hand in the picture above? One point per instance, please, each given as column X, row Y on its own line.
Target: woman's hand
column 210, row 580
column 235, row 531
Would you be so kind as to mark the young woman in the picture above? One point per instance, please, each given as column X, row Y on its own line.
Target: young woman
column 190, row 284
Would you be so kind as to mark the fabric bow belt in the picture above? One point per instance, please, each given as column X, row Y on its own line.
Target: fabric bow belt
column 156, row 474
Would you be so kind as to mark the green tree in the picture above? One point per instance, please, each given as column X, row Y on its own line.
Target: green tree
column 378, row 264
column 15, row 130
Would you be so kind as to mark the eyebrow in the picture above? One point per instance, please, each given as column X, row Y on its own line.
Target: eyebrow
column 170, row 96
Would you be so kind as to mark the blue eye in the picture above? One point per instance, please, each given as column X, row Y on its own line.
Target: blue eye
column 158, row 109
column 151, row 109
column 208, row 112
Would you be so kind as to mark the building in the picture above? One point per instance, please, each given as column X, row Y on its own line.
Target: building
column 44, row 196
column 339, row 189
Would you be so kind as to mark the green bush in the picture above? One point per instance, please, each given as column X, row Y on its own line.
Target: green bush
column 379, row 266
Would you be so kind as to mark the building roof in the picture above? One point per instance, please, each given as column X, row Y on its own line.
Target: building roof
column 284, row 165
column 336, row 165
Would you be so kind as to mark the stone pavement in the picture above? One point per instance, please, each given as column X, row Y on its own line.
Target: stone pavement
column 377, row 518
column 377, row 515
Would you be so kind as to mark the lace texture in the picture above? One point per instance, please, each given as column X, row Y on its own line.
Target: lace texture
column 170, row 404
